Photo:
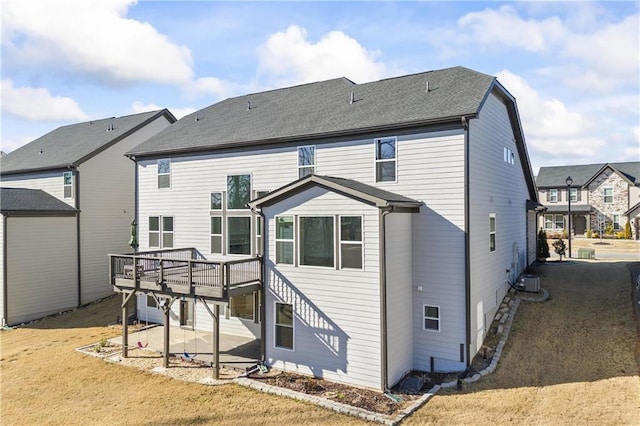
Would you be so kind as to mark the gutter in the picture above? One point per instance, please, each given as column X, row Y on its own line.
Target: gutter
column 76, row 185
column 5, row 292
column 263, row 293
column 467, row 246
column 384, row 379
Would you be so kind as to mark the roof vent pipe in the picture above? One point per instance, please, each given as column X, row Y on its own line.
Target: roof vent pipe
column 353, row 99
column 248, row 105
column 427, row 88
column 196, row 115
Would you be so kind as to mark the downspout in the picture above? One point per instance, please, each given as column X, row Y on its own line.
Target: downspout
column 5, row 292
column 467, row 245
column 263, row 295
column 383, row 299
column 76, row 186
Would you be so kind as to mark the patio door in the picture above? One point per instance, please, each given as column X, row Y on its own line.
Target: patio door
column 186, row 313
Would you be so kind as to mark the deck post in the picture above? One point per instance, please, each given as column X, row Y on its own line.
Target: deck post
column 216, row 341
column 125, row 329
column 166, row 310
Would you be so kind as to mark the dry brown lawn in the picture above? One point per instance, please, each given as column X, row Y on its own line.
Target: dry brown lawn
column 568, row 361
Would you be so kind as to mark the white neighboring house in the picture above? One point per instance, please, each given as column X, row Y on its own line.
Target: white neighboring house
column 387, row 214
column 37, row 278
column 84, row 166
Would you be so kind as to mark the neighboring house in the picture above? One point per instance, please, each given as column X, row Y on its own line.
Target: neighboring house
column 387, row 214
column 601, row 194
column 38, row 255
column 83, row 165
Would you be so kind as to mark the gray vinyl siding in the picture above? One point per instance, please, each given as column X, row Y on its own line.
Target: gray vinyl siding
column 41, row 267
column 336, row 311
column 50, row 182
column 107, row 188
column 532, row 239
column 399, row 274
column 430, row 169
column 495, row 187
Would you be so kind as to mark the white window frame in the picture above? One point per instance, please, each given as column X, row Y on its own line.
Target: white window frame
column 425, row 317
column 604, row 195
column 614, row 222
column 284, row 240
column 221, row 201
column 492, row 233
column 509, row 156
column 226, row 201
column 163, row 174
column 221, row 234
column 160, row 232
column 551, row 222
column 553, row 195
column 66, row 185
column 276, row 325
column 376, row 141
column 351, row 242
column 573, row 195
column 301, row 167
column 298, row 229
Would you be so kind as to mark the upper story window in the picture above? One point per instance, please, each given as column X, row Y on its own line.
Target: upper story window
column 161, row 231
column 164, row 173
column 573, row 194
column 553, row 195
column 216, row 201
column 431, row 317
column 68, row 184
column 306, row 160
column 608, row 195
column 351, row 242
column 238, row 191
column 239, row 234
column 386, row 164
column 284, row 240
column 316, row 241
column 492, row 232
column 216, row 234
column 509, row 156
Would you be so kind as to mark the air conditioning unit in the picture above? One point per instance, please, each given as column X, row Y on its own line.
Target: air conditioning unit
column 531, row 283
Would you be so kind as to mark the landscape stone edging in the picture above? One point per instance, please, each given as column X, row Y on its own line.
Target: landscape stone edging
column 381, row 418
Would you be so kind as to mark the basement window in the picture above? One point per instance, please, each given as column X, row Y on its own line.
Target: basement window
column 284, row 326
column 492, row 232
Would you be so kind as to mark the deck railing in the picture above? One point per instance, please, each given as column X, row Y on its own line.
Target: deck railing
column 183, row 272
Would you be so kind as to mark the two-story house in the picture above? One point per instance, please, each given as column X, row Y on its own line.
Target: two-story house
column 600, row 194
column 82, row 165
column 384, row 214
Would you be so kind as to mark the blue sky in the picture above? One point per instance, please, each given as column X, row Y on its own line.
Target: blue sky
column 572, row 66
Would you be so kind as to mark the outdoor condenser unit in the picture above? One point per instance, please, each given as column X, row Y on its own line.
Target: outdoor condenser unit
column 531, row 283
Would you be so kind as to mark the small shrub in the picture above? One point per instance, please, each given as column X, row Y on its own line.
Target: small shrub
column 595, row 234
column 565, row 234
column 627, row 231
column 608, row 230
column 620, row 235
column 560, row 247
column 543, row 245
column 589, row 233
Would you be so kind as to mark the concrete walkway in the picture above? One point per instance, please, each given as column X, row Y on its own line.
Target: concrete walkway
column 235, row 351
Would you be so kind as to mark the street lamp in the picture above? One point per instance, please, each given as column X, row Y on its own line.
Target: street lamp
column 569, row 181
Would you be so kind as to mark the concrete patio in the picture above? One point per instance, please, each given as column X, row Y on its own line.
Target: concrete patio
column 236, row 352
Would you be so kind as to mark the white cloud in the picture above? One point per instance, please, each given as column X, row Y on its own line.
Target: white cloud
column 92, row 37
column 505, row 27
column 38, row 104
column 138, row 107
column 289, row 57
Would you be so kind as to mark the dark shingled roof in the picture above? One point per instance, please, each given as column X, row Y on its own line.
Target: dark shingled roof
column 71, row 145
column 323, row 109
column 555, row 177
column 31, row 200
column 365, row 193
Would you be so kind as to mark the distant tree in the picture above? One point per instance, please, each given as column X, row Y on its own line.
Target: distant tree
column 543, row 245
column 560, row 247
column 627, row 230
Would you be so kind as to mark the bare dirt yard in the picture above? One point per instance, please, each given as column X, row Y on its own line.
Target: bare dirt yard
column 568, row 361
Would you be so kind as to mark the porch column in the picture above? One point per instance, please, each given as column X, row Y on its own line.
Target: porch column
column 166, row 310
column 125, row 330
column 216, row 341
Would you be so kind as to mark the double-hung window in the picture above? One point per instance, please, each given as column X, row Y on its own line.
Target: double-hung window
column 238, row 221
column 559, row 221
column 608, row 195
column 284, row 240
column 164, row 173
column 351, row 242
column 68, row 184
column 573, row 194
column 553, row 195
column 316, row 237
column 241, row 306
column 306, row 160
column 616, row 222
column 284, row 325
column 548, row 221
column 161, row 231
column 216, row 234
column 431, row 317
column 385, row 159
column 492, row 232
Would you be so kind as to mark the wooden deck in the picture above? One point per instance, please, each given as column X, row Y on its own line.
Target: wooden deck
column 184, row 272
